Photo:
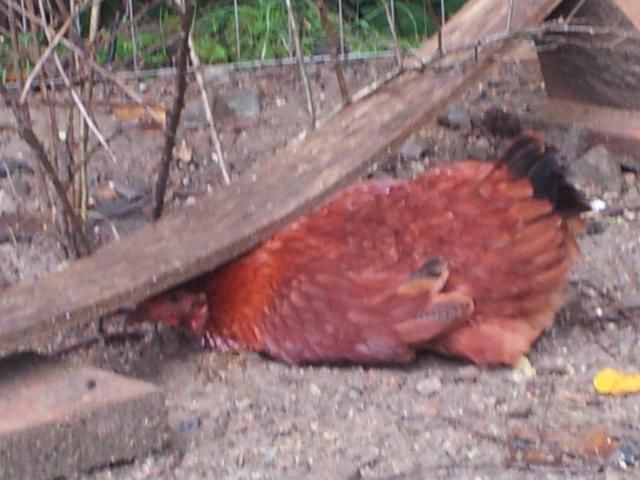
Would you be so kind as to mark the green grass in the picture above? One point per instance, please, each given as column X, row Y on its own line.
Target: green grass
column 264, row 31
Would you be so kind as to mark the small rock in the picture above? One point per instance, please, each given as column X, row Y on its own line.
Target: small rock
column 501, row 123
column 13, row 165
column 7, row 203
column 480, row 148
column 315, row 390
column 520, row 409
column 429, row 386
column 628, row 453
column 597, row 173
column 135, row 190
column 190, row 425
column 243, row 102
column 413, row 149
column 455, row 118
column 523, row 370
column 216, row 74
column 467, row 373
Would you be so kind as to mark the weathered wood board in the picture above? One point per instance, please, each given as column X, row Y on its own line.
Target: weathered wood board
column 58, row 420
column 618, row 129
column 598, row 69
column 193, row 240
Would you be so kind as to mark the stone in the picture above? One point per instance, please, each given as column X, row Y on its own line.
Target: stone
column 413, row 149
column 7, row 203
column 243, row 102
column 501, row 123
column 456, row 118
column 429, row 386
column 597, row 173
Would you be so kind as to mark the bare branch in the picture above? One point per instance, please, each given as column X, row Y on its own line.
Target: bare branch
column 176, row 111
column 215, row 138
column 303, row 73
column 43, row 58
column 392, row 28
column 92, row 63
column 336, row 46
column 77, row 235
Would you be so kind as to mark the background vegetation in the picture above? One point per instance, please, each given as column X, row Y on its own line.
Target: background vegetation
column 263, row 27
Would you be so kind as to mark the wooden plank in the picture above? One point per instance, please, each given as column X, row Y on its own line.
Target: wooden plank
column 58, row 420
column 631, row 9
column 595, row 69
column 193, row 240
column 618, row 129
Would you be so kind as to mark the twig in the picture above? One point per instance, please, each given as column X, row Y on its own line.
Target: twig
column 303, row 73
column 74, row 95
column 134, row 41
column 510, row 14
column 176, row 111
column 336, row 46
column 392, row 28
column 77, row 235
column 215, row 138
column 92, row 63
column 437, row 21
column 236, row 22
column 575, row 10
column 43, row 58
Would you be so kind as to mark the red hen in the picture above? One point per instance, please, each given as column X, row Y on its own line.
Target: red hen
column 469, row 260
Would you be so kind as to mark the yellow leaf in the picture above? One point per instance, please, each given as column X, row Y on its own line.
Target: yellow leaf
column 613, row 382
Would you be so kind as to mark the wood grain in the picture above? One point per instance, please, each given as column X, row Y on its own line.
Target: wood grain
column 595, row 69
column 234, row 219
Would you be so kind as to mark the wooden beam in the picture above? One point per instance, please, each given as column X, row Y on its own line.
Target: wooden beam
column 59, row 420
column 618, row 129
column 595, row 69
column 234, row 219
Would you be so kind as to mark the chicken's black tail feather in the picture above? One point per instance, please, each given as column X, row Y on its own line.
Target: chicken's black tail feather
column 530, row 157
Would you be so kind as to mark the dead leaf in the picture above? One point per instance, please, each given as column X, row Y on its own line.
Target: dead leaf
column 139, row 114
column 558, row 447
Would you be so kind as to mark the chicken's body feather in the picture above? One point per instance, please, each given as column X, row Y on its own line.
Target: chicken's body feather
column 344, row 283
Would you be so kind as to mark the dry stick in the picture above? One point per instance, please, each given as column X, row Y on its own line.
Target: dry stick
column 335, row 45
column 575, row 9
column 392, row 28
column 83, row 189
column 215, row 138
column 133, row 35
column 510, row 14
column 43, row 186
column 237, row 27
column 437, row 21
column 174, row 117
column 43, row 58
column 78, row 237
column 94, row 65
column 303, row 73
column 15, row 45
column 74, row 95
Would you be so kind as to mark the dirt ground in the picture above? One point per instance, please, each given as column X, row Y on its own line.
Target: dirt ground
column 248, row 417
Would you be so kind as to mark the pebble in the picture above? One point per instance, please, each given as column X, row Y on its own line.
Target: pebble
column 429, row 386
column 414, row 148
column 455, row 118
